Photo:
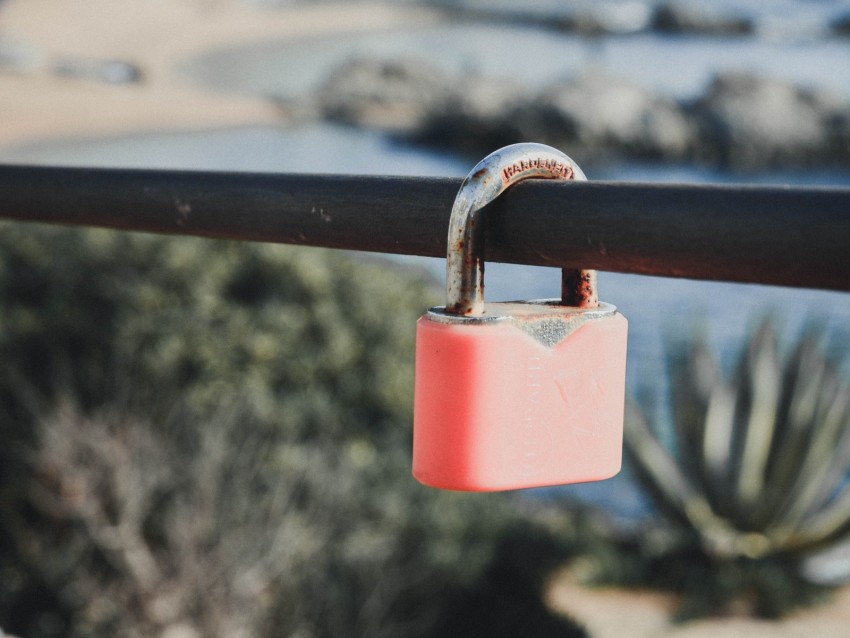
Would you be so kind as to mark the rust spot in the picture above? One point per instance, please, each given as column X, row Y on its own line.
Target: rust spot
column 578, row 288
column 479, row 173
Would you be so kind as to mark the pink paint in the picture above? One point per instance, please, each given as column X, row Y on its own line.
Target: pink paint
column 497, row 410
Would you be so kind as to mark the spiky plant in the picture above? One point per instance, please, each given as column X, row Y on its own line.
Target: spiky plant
column 755, row 477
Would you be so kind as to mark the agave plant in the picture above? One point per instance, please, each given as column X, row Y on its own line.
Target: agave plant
column 759, row 465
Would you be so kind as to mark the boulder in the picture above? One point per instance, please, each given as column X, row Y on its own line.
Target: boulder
column 390, row 95
column 740, row 121
column 678, row 18
column 841, row 25
column 607, row 19
column 748, row 122
column 602, row 117
column 594, row 117
column 601, row 19
column 477, row 118
column 106, row 71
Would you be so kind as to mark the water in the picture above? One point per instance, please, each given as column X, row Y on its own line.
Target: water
column 658, row 307
column 312, row 148
column 659, row 310
column 676, row 66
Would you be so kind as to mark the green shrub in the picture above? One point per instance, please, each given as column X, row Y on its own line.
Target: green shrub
column 214, row 437
column 757, row 481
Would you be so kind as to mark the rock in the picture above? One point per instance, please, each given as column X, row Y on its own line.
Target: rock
column 107, row 71
column 600, row 117
column 419, row 103
column 588, row 21
column 740, row 122
column 477, row 117
column 607, row 19
column 748, row 122
column 841, row 25
column 677, row 18
column 394, row 95
column 594, row 117
column 583, row 23
column 16, row 56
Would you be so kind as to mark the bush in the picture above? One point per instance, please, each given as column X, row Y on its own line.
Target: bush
column 754, row 480
column 213, row 438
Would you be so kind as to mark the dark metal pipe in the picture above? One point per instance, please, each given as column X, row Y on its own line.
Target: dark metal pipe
column 771, row 235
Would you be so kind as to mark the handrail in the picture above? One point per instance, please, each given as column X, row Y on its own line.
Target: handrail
column 760, row 234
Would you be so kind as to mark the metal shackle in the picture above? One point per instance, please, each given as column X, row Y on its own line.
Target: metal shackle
column 465, row 246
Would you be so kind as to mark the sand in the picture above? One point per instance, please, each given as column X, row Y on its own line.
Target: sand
column 618, row 613
column 36, row 105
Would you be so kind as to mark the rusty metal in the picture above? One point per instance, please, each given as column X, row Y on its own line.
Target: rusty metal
column 579, row 288
column 779, row 235
column 465, row 242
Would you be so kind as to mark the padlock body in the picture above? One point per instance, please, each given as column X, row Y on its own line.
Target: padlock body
column 497, row 409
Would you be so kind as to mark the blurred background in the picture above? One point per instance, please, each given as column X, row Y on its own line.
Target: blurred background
column 202, row 438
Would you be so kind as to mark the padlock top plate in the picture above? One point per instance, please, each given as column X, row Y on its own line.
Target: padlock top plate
column 530, row 310
column 545, row 320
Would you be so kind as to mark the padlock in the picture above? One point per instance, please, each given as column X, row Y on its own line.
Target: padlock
column 512, row 395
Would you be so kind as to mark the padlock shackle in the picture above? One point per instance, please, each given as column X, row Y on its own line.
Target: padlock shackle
column 465, row 246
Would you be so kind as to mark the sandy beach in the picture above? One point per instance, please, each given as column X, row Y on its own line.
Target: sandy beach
column 36, row 105
column 619, row 613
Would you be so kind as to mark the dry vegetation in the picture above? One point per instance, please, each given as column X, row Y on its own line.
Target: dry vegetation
column 211, row 439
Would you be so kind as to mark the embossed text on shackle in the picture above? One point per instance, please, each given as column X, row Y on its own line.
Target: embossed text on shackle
column 557, row 168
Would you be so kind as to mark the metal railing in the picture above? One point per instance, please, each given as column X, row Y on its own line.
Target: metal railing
column 760, row 234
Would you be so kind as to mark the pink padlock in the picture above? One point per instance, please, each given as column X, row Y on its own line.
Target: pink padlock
column 516, row 394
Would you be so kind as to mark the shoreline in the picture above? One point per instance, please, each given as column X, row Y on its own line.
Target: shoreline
column 605, row 611
column 36, row 105
column 741, row 122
